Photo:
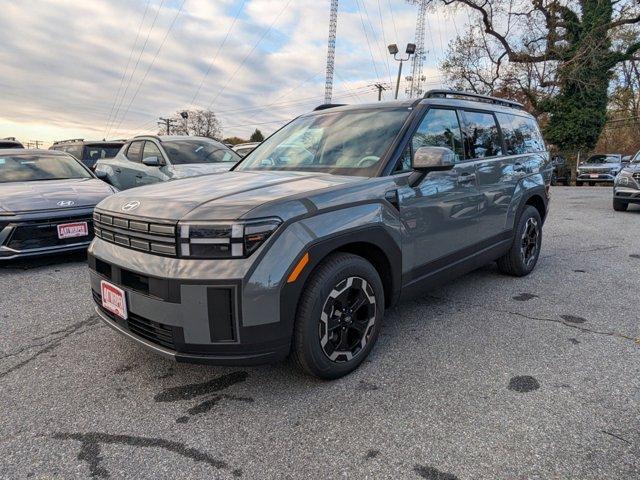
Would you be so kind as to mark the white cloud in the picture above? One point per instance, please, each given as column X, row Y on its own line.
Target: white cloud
column 63, row 61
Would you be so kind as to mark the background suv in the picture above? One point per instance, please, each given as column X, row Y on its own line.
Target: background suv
column 626, row 188
column 150, row 159
column 599, row 168
column 89, row 152
column 304, row 244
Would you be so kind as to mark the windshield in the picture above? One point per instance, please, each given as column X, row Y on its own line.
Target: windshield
column 603, row 159
column 26, row 168
column 345, row 143
column 93, row 153
column 182, row 152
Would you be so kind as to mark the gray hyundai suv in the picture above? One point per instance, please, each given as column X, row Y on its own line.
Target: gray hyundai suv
column 302, row 247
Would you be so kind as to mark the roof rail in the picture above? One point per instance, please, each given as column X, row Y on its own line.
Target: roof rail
column 69, row 140
column 325, row 106
column 473, row 96
column 11, row 139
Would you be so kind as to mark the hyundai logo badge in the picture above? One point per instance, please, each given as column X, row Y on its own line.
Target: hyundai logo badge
column 127, row 207
column 66, row 203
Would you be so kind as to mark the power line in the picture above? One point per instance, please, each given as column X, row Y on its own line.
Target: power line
column 146, row 73
column 135, row 67
column 264, row 34
column 126, row 69
column 366, row 36
column 215, row 57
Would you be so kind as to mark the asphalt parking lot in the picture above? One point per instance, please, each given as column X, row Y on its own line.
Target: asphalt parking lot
column 488, row 377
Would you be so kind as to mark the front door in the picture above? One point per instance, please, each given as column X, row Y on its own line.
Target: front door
column 440, row 214
column 147, row 174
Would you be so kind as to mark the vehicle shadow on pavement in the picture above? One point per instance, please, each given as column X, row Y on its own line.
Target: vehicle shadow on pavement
column 44, row 261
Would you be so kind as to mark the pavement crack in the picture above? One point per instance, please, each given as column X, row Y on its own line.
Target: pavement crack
column 567, row 321
column 617, row 436
column 48, row 346
column 91, row 442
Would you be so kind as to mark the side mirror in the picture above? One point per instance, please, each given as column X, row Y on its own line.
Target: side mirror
column 433, row 159
column 101, row 174
column 151, row 161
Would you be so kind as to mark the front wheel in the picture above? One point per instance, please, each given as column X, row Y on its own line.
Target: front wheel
column 523, row 255
column 339, row 316
column 619, row 205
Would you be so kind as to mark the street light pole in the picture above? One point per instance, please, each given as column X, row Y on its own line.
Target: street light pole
column 393, row 50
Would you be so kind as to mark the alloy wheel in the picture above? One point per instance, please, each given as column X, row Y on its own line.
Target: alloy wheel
column 530, row 241
column 347, row 319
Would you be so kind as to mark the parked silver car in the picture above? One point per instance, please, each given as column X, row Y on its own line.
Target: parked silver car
column 599, row 168
column 244, row 149
column 626, row 188
column 151, row 159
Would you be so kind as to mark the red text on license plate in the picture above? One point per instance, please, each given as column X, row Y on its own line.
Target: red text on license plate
column 113, row 299
column 72, row 230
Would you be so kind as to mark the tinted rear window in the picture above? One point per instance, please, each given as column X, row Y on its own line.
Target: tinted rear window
column 93, row 153
column 521, row 134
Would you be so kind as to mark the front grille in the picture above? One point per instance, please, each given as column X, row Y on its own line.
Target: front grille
column 154, row 332
column 44, row 233
column 153, row 237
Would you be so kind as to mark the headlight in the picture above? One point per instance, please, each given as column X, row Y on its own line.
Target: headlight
column 224, row 239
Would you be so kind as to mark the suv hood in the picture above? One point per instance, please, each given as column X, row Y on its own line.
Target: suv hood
column 20, row 197
column 223, row 196
column 195, row 169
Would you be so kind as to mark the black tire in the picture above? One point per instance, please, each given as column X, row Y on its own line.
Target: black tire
column 620, row 205
column 578, row 184
column 554, row 179
column 592, row 184
column 318, row 315
column 520, row 260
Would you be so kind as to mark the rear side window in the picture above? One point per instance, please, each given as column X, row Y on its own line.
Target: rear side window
column 521, row 134
column 75, row 150
column 481, row 135
column 134, row 152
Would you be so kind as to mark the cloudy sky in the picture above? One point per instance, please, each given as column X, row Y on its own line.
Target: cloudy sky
column 110, row 68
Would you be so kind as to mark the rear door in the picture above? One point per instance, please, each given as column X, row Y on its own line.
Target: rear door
column 127, row 169
column 440, row 214
column 497, row 174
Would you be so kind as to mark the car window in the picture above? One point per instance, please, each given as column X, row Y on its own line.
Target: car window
column 26, row 168
column 481, row 136
column 521, row 134
column 75, row 150
column 151, row 150
column 182, row 152
column 93, row 153
column 134, row 152
column 603, row 159
column 439, row 128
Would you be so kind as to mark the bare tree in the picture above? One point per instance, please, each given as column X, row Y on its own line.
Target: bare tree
column 200, row 123
column 561, row 54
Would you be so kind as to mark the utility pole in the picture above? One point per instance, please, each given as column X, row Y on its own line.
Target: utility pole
column 35, row 143
column 380, row 88
column 331, row 51
column 166, row 122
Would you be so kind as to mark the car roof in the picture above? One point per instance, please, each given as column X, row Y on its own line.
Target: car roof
column 31, row 151
column 174, row 138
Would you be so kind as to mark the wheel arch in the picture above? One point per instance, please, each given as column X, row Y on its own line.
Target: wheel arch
column 374, row 244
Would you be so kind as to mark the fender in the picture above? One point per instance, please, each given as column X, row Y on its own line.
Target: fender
column 376, row 236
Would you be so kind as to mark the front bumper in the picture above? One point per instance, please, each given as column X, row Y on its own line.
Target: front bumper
column 34, row 234
column 182, row 314
column 626, row 194
column 600, row 178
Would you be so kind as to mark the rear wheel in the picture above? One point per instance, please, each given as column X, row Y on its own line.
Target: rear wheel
column 578, row 184
column 592, row 184
column 339, row 316
column 554, row 179
column 620, row 205
column 523, row 255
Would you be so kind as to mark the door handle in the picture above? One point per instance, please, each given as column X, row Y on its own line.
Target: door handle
column 117, row 170
column 466, row 178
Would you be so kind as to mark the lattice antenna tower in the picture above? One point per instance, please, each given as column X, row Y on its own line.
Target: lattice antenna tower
column 331, row 51
column 416, row 78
